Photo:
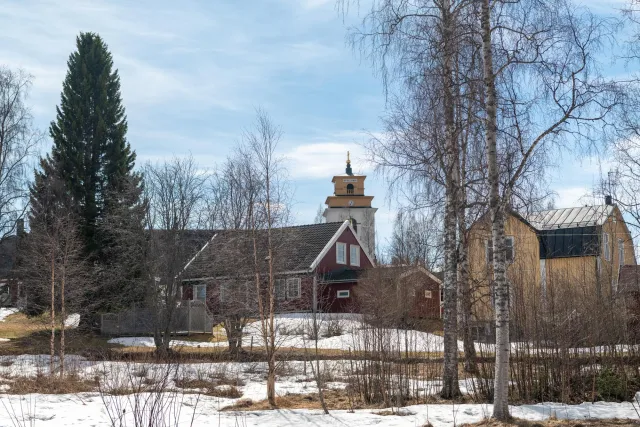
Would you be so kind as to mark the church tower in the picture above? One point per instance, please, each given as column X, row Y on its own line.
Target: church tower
column 349, row 202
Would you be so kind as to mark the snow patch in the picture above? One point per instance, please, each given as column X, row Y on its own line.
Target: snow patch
column 7, row 311
column 72, row 321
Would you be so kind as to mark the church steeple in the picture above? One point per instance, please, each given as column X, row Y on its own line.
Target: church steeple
column 349, row 202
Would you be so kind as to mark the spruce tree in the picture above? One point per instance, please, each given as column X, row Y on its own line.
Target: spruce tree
column 91, row 155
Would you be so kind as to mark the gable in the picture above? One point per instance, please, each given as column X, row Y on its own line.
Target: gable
column 327, row 260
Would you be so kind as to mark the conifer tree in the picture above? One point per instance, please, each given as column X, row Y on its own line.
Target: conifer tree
column 91, row 155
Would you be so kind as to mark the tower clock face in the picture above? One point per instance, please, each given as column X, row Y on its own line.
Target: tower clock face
column 350, row 202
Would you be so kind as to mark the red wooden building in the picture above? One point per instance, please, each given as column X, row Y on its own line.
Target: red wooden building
column 317, row 265
column 306, row 259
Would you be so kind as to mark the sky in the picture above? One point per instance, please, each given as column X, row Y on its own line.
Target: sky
column 194, row 72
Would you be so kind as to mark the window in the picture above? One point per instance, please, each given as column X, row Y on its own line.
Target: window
column 509, row 249
column 488, row 251
column 510, row 252
column 200, row 293
column 607, row 246
column 293, row 288
column 427, row 294
column 225, row 292
column 341, row 253
column 350, row 188
column 620, row 251
column 354, row 255
column 343, row 294
column 281, row 289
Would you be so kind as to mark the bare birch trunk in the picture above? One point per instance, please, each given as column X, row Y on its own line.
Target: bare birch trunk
column 52, row 342
column 500, row 285
column 63, row 315
column 450, row 386
column 464, row 290
column 271, row 349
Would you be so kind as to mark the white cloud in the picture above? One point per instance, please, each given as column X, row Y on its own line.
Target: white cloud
column 326, row 157
column 572, row 197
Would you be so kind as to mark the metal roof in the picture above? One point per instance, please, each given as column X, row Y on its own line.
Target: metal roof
column 586, row 216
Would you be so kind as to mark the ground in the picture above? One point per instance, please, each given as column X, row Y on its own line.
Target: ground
column 104, row 392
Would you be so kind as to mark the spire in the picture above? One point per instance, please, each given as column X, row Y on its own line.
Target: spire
column 349, row 171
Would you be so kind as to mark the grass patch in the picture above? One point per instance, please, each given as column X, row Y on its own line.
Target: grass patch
column 43, row 384
column 335, row 399
column 212, row 388
column 18, row 325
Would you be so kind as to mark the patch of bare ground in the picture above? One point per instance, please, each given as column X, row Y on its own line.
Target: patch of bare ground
column 211, row 387
column 43, row 384
column 335, row 400
column 556, row 423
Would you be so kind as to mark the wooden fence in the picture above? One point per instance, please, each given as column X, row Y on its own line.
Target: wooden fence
column 188, row 317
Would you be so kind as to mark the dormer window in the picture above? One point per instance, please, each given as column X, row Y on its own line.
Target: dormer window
column 350, row 188
column 341, row 253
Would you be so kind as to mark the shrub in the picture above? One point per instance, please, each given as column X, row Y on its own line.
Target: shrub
column 610, row 385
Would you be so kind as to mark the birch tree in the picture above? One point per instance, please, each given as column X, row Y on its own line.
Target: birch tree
column 552, row 47
column 271, row 210
column 418, row 45
column 18, row 141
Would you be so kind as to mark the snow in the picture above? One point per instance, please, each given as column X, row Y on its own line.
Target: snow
column 148, row 342
column 293, row 331
column 7, row 311
column 72, row 321
column 83, row 409
column 88, row 409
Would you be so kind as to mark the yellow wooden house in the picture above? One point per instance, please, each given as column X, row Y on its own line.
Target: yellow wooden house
column 552, row 255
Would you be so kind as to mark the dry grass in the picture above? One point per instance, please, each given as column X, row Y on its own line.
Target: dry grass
column 335, row 399
column 556, row 423
column 18, row 325
column 212, row 388
column 43, row 384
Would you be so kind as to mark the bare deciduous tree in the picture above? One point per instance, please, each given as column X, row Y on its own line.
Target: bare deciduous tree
column 18, row 142
column 270, row 211
column 175, row 191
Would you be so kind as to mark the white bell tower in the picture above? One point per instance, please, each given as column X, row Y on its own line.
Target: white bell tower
column 349, row 202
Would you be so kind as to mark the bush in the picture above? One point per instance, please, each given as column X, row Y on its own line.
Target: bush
column 610, row 385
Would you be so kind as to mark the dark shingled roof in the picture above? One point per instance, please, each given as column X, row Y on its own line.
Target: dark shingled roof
column 230, row 252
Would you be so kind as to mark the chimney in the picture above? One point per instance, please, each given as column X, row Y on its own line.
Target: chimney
column 608, row 200
column 20, row 227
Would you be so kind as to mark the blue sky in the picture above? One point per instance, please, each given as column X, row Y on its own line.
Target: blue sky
column 193, row 72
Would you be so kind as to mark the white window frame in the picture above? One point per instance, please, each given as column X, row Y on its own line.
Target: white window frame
column 428, row 294
column 194, row 297
column 343, row 294
column 354, row 253
column 620, row 252
column 293, row 283
column 343, row 247
column 606, row 243
column 280, row 289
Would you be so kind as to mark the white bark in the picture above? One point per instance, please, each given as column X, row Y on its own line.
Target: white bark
column 500, row 285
